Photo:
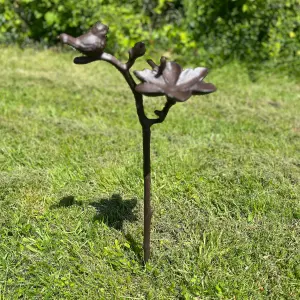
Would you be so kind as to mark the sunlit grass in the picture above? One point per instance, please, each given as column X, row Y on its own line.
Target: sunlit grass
column 225, row 186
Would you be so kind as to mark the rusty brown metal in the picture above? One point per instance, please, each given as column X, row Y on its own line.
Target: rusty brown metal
column 171, row 80
column 91, row 43
column 167, row 79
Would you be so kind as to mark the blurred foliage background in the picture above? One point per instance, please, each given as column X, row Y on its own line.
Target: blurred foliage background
column 211, row 31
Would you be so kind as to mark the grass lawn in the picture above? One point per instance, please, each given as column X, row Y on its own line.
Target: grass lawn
column 226, row 186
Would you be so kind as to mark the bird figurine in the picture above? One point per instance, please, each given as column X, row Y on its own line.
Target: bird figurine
column 91, row 43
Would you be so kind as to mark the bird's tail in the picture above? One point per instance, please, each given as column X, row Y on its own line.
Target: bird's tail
column 69, row 40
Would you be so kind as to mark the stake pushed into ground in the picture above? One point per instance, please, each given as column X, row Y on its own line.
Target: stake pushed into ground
column 166, row 79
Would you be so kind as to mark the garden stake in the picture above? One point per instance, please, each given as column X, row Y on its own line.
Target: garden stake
column 167, row 79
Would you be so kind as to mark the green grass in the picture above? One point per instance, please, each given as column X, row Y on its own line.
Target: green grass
column 225, row 186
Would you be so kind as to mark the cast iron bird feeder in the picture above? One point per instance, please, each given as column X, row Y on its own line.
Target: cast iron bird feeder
column 166, row 79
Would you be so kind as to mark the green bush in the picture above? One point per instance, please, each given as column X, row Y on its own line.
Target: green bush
column 213, row 31
column 43, row 20
column 245, row 29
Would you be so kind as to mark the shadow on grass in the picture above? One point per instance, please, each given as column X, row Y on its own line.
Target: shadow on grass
column 66, row 202
column 112, row 211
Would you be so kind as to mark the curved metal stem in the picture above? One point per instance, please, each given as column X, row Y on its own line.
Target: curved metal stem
column 162, row 114
column 146, row 124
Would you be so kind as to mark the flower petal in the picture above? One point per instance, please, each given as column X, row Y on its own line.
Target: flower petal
column 202, row 88
column 189, row 77
column 180, row 96
column 171, row 72
column 149, row 89
column 149, row 76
